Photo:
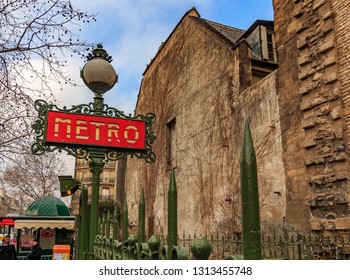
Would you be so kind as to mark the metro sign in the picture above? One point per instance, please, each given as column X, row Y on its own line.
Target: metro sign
column 95, row 128
column 73, row 129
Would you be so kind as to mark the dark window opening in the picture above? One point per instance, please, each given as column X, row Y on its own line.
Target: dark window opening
column 171, row 144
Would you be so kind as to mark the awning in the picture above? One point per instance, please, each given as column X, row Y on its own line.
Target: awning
column 67, row 224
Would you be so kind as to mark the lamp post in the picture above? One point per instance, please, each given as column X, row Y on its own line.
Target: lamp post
column 99, row 76
column 94, row 131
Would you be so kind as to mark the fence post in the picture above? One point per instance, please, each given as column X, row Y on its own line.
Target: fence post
column 250, row 198
column 142, row 225
column 103, row 224
column 99, row 223
column 115, row 224
column 172, row 214
column 125, row 222
column 108, row 224
column 142, row 219
column 83, row 237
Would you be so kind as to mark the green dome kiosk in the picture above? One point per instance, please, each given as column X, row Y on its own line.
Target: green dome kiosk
column 47, row 219
column 48, row 206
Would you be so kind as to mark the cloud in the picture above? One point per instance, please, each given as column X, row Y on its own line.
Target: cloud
column 132, row 31
column 68, row 95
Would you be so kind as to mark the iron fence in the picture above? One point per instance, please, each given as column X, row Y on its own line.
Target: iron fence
column 289, row 246
column 286, row 245
column 275, row 242
column 292, row 246
column 320, row 246
column 223, row 245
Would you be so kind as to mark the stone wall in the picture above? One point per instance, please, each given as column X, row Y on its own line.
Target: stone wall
column 309, row 44
column 290, row 115
column 299, row 116
column 190, row 81
column 341, row 23
column 259, row 104
column 201, row 82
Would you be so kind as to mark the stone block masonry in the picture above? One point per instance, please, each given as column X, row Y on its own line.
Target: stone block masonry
column 323, row 115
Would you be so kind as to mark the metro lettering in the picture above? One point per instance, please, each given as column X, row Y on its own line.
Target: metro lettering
column 79, row 129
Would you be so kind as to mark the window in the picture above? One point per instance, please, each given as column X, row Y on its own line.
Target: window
column 105, row 176
column 105, row 192
column 268, row 48
column 171, row 144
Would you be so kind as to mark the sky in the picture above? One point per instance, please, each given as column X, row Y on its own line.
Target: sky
column 131, row 31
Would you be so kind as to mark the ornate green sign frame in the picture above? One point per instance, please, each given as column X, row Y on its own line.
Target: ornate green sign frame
column 97, row 108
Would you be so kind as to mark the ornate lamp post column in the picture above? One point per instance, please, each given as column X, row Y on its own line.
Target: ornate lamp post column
column 94, row 131
column 99, row 76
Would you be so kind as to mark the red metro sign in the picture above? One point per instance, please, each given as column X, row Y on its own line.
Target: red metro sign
column 78, row 129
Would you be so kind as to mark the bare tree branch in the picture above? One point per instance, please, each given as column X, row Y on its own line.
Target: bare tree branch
column 30, row 176
column 36, row 39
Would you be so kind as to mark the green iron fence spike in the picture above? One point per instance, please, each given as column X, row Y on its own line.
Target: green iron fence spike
column 115, row 226
column 125, row 222
column 108, row 224
column 103, row 224
column 142, row 219
column 172, row 214
column 250, row 198
column 83, row 237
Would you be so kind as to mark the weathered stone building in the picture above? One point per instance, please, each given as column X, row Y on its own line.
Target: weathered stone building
column 84, row 175
column 206, row 78
column 312, row 38
column 11, row 205
column 200, row 86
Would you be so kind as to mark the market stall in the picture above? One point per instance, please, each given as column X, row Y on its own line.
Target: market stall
column 47, row 219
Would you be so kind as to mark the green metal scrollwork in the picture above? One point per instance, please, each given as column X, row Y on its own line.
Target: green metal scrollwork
column 178, row 253
column 39, row 147
column 149, row 156
column 97, row 108
column 154, row 245
column 99, row 52
column 108, row 249
column 201, row 248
